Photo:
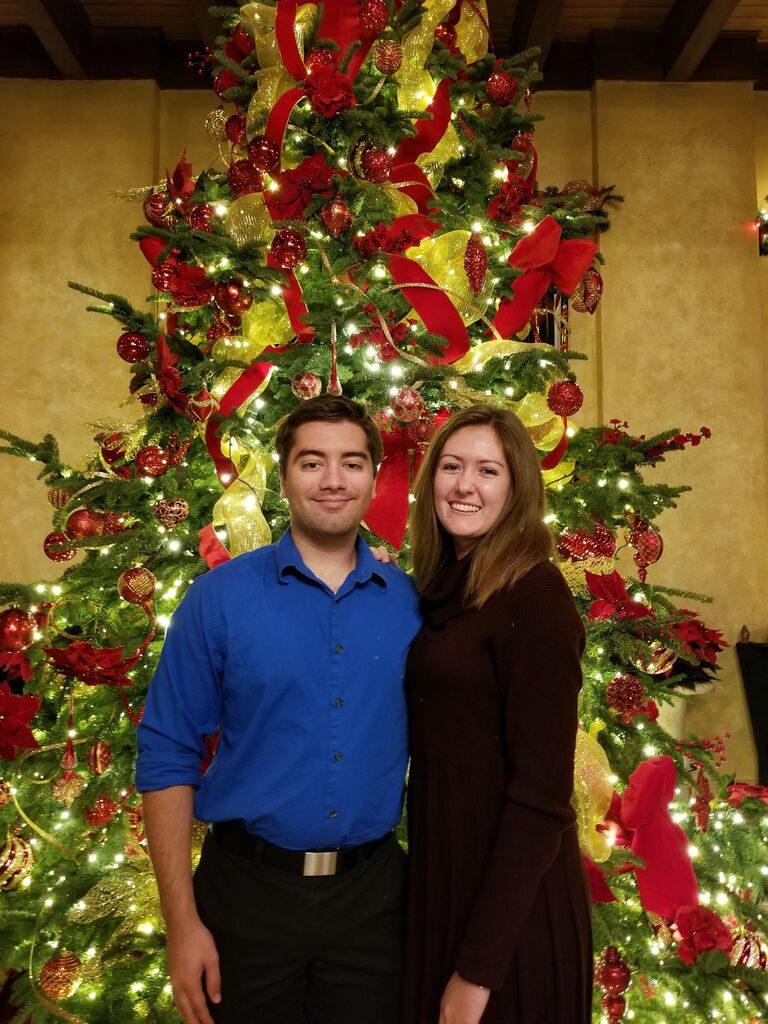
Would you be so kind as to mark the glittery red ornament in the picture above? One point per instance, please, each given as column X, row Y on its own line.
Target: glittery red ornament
column 306, row 385
column 288, row 248
column 336, row 216
column 579, row 545
column 475, row 262
column 244, row 178
column 446, row 34
column 243, row 39
column 16, row 861
column 612, row 973
column 164, row 277
column 6, row 793
column 233, row 296
column 374, row 17
column 84, row 522
column 407, row 405
column 263, row 153
column 320, row 57
column 225, row 80
column 376, row 165
column 137, row 585
column 169, row 512
column 624, row 693
column 17, row 629
column 650, row 546
column 152, row 461
column 501, row 88
column 158, row 210
column 99, row 757
column 614, row 1006
column 565, row 398
column 132, row 347
column 60, row 976
column 218, row 330
column 102, row 812
column 235, row 129
column 586, row 297
column 200, row 217
column 58, row 556
column 388, row 57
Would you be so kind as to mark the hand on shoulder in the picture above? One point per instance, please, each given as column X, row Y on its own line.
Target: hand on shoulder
column 381, row 554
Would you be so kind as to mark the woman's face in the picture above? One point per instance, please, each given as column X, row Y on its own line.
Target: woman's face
column 471, row 486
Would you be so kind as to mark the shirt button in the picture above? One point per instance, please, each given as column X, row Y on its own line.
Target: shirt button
column 339, row 702
column 339, row 648
column 338, row 756
column 333, row 814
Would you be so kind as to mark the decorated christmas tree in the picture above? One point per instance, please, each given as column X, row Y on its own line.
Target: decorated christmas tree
column 380, row 231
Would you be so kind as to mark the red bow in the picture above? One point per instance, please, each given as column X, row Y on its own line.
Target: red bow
column 388, row 512
column 544, row 260
column 613, row 599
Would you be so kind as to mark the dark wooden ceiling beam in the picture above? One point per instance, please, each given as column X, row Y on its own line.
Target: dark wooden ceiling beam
column 688, row 32
column 534, row 25
column 62, row 27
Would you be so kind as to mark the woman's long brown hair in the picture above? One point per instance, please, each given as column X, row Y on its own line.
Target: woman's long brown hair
column 519, row 538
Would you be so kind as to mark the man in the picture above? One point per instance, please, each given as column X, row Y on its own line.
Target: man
column 296, row 654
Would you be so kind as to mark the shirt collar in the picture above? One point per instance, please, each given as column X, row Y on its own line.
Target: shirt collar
column 288, row 558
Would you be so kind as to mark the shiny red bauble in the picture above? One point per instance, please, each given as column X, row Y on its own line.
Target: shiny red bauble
column 579, row 545
column 132, row 347
column 200, row 217
column 169, row 512
column 99, row 757
column 501, row 88
column 374, row 17
column 244, row 178
column 376, row 165
column 232, row 296
column 565, row 398
column 612, row 972
column 319, row 58
column 164, row 277
column 58, row 556
column 152, row 461
column 288, row 248
column 243, row 39
column 137, row 585
column 263, row 153
column 225, row 80
column 337, row 217
column 102, row 811
column 158, row 210
column 306, row 386
column 17, row 629
column 84, row 522
column 407, row 405
column 446, row 34
column 235, row 129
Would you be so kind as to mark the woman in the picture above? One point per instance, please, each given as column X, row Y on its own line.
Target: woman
column 499, row 919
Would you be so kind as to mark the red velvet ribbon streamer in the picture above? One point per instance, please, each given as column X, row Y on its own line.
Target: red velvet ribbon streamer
column 545, row 260
column 436, row 309
column 413, row 182
column 341, row 22
column 551, row 459
column 285, row 17
column 245, row 385
column 151, row 247
column 212, row 551
column 280, row 114
column 429, row 131
column 292, row 297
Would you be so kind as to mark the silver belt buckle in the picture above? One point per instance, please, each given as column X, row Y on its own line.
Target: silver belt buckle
column 322, row 863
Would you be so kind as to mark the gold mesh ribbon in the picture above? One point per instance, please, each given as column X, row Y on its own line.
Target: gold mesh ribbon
column 442, row 257
column 239, row 507
column 592, row 792
column 248, row 219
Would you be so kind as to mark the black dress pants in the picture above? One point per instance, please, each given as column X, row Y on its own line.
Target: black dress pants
column 296, row 950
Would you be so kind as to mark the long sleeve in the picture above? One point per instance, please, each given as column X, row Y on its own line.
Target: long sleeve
column 536, row 645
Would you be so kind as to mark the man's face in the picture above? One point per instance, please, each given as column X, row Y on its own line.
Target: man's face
column 327, row 479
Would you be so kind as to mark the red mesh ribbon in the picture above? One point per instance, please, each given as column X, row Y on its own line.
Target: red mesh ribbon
column 387, row 514
column 435, row 308
column 544, row 260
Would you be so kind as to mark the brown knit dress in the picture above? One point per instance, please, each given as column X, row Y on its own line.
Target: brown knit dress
column 497, row 887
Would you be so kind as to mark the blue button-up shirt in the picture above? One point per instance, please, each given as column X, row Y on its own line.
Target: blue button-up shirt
column 306, row 688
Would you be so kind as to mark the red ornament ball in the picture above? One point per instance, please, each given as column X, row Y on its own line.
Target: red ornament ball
column 225, row 80
column 614, row 1006
column 235, row 129
column 60, row 976
column 649, row 544
column 84, row 522
column 374, row 17
column 243, row 39
column 152, row 461
column 586, row 297
column 137, row 585
column 58, row 556
column 132, row 347
column 233, row 296
column 306, row 385
column 407, row 405
column 388, row 57
column 102, row 812
column 244, row 178
column 446, row 34
column 263, row 153
column 565, row 398
column 319, row 58
column 624, row 693
column 288, row 248
column 218, row 330
column 579, row 545
column 376, row 165
column 164, row 277
column 336, row 216
column 612, row 973
column 17, row 629
column 16, row 861
column 501, row 88
column 99, row 757
column 158, row 210
column 200, row 217
column 169, row 512
column 475, row 262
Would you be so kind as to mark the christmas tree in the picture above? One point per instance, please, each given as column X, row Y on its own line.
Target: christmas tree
column 380, row 232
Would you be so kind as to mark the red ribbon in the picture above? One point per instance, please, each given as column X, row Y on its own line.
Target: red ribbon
column 387, row 514
column 245, row 385
column 152, row 246
column 292, row 297
column 285, row 16
column 212, row 551
column 544, row 260
column 553, row 458
column 279, row 116
column 341, row 22
column 435, row 308
column 429, row 131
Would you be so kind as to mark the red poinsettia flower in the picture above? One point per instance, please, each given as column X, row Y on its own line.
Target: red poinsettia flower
column 705, row 644
column 298, row 187
column 180, row 184
column 738, row 792
column 701, row 930
column 191, row 286
column 94, row 666
column 15, row 715
column 507, row 204
column 16, row 665
column 329, row 90
column 613, row 600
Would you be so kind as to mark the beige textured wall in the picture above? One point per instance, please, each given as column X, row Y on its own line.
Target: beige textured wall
column 678, row 339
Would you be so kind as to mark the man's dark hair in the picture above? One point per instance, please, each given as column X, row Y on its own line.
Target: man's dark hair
column 328, row 409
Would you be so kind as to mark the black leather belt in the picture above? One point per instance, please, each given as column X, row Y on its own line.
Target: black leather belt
column 233, row 836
